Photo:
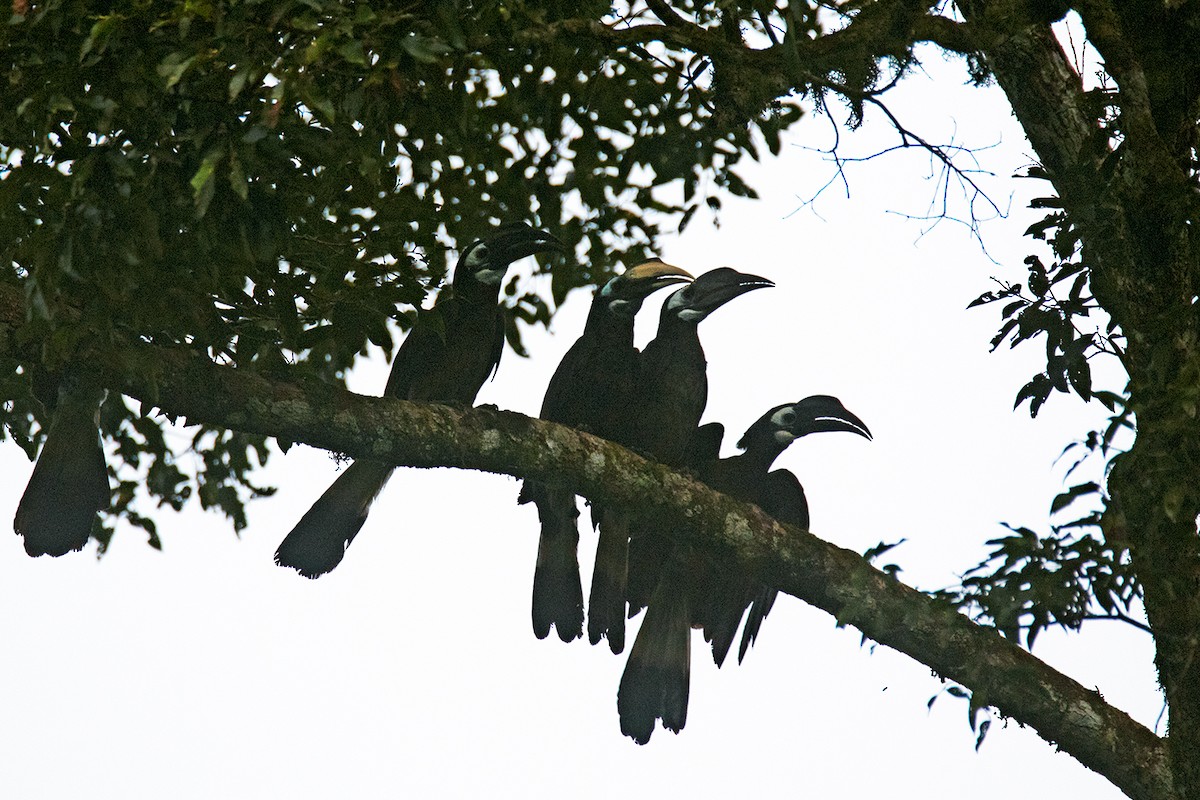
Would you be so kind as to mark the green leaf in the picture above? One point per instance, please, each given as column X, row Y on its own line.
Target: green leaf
column 425, row 49
column 202, row 183
column 173, row 68
column 353, row 52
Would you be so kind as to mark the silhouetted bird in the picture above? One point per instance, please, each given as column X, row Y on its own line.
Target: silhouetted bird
column 725, row 593
column 446, row 357
column 590, row 390
column 695, row 589
column 69, row 485
column 671, row 394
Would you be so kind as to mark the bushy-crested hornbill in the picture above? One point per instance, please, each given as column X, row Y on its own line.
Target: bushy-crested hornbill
column 722, row 593
column 446, row 357
column 697, row 590
column 590, row 390
column 671, row 393
column 69, row 484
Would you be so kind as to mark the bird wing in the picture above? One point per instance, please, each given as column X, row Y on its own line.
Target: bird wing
column 705, row 445
column 783, row 498
column 423, row 350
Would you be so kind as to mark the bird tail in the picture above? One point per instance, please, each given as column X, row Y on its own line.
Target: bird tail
column 69, row 484
column 606, row 603
column 726, row 601
column 759, row 608
column 557, row 589
column 319, row 540
column 730, row 600
column 649, row 553
column 655, row 682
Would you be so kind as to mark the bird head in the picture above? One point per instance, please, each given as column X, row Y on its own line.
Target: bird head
column 625, row 293
column 710, row 291
column 487, row 260
column 817, row 414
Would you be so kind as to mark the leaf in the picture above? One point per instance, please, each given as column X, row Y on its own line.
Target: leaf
column 425, row 49
column 1071, row 495
column 99, row 35
column 1036, row 391
column 1012, row 308
column 353, row 52
column 237, row 83
column 875, row 552
column 1005, row 330
column 202, row 182
column 983, row 299
column 1079, row 373
column 173, row 68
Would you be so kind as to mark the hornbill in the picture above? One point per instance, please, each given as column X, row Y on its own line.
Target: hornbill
column 69, row 485
column 667, row 404
column 590, row 391
column 446, row 357
column 723, row 592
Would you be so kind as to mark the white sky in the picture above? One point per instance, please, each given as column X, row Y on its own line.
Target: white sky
column 205, row 671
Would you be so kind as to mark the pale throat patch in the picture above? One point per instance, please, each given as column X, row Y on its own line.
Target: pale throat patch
column 490, row 277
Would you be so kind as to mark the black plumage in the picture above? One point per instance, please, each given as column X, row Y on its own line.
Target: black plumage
column 451, row 351
column 723, row 594
column 670, row 399
column 667, row 404
column 69, row 485
column 589, row 390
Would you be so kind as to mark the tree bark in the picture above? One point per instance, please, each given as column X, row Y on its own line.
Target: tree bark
column 1133, row 206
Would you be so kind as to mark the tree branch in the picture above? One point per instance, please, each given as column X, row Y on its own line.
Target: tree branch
column 843, row 583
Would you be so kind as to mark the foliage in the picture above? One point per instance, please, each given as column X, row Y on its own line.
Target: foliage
column 1039, row 309
column 279, row 184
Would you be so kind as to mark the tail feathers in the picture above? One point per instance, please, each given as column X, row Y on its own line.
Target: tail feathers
column 557, row 588
column 721, row 630
column 759, row 608
column 68, row 487
column 722, row 595
column 319, row 540
column 648, row 554
column 655, row 682
column 606, row 603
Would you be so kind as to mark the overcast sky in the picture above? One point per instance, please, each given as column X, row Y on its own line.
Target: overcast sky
column 412, row 670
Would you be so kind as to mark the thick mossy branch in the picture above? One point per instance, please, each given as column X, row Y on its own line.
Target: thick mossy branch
column 183, row 384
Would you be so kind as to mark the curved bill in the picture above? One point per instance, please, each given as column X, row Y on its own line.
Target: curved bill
column 657, row 273
column 821, row 413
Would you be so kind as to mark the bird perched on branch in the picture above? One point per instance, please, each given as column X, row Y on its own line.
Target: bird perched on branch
column 670, row 399
column 69, row 485
column 446, row 357
column 698, row 590
column 668, row 402
column 726, row 593
column 590, row 390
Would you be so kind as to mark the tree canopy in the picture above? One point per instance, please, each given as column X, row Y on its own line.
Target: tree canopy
column 217, row 207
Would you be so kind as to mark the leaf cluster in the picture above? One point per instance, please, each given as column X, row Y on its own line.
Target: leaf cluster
column 280, row 184
column 1055, row 304
column 1030, row 582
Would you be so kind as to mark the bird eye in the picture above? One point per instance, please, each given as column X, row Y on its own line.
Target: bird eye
column 783, row 418
column 477, row 257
